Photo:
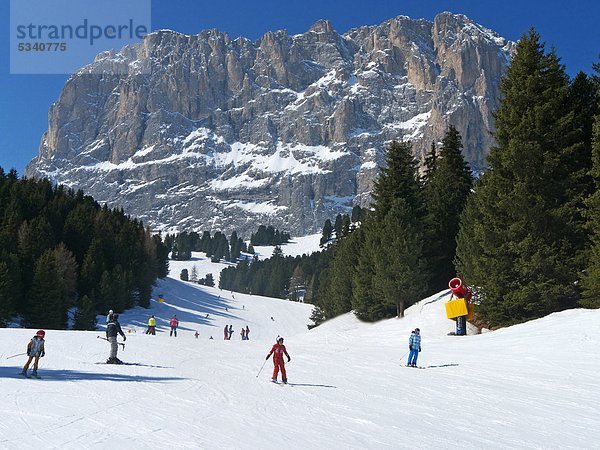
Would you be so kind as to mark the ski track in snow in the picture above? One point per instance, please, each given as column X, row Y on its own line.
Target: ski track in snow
column 534, row 385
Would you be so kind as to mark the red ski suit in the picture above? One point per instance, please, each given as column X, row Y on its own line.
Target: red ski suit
column 278, row 351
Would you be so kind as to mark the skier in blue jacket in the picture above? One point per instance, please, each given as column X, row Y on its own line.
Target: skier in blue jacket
column 414, row 345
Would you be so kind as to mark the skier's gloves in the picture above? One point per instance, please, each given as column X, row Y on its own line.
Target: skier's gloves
column 43, row 354
column 28, row 352
column 124, row 338
column 289, row 359
column 267, row 357
column 419, row 349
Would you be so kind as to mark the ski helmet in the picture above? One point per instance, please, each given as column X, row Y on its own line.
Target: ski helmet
column 417, row 330
column 41, row 333
column 279, row 339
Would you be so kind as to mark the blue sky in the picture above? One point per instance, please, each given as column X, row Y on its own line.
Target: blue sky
column 571, row 27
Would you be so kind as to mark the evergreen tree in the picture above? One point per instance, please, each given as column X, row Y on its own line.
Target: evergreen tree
column 591, row 278
column 209, row 280
column 194, row 274
column 357, row 214
column 184, row 276
column 338, row 226
column 85, row 316
column 520, row 242
column 390, row 273
column 7, row 306
column 327, row 230
column 342, row 269
column 448, row 182
column 48, row 298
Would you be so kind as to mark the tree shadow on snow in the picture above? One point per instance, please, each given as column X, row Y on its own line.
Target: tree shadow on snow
column 75, row 375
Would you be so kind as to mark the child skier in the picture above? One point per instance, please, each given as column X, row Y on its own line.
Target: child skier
column 414, row 345
column 112, row 329
column 278, row 351
column 35, row 351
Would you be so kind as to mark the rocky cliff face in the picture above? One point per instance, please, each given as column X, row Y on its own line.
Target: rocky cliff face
column 206, row 132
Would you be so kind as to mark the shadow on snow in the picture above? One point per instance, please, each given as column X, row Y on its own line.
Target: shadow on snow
column 74, row 375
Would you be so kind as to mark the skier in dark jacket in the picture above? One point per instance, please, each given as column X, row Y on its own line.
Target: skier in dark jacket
column 112, row 329
column 414, row 346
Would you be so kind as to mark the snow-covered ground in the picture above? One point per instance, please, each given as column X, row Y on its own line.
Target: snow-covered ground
column 533, row 385
column 296, row 247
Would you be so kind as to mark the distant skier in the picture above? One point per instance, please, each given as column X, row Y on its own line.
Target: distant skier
column 247, row 333
column 230, row 332
column 151, row 326
column 278, row 351
column 243, row 333
column 108, row 317
column 174, row 324
column 196, row 334
column 35, row 351
column 226, row 332
column 414, row 345
column 112, row 329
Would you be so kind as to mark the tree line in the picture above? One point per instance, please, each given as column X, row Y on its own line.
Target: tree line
column 60, row 251
column 218, row 247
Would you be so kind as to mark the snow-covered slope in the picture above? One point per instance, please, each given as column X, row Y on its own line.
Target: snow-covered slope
column 530, row 386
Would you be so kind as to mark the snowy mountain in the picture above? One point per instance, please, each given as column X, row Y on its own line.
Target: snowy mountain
column 209, row 132
column 533, row 385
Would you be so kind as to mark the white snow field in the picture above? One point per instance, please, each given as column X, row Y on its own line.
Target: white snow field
column 534, row 385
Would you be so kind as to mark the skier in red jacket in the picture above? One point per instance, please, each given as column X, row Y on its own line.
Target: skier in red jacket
column 278, row 351
column 174, row 322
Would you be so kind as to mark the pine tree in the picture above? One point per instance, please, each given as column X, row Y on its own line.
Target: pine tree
column 48, row 298
column 390, row 273
column 184, row 276
column 337, row 298
column 448, row 182
column 327, row 230
column 209, row 280
column 7, row 306
column 591, row 278
column 85, row 316
column 519, row 244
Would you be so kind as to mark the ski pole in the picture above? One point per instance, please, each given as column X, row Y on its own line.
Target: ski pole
column 14, row 356
column 120, row 343
column 261, row 368
column 402, row 357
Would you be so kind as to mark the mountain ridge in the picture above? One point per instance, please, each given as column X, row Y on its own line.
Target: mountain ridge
column 209, row 132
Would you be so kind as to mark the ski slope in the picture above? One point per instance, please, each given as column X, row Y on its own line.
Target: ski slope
column 533, row 385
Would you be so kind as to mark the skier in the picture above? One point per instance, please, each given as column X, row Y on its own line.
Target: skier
column 151, row 326
column 35, row 351
column 174, row 324
column 230, row 332
column 243, row 333
column 112, row 329
column 226, row 332
column 247, row 333
column 110, row 313
column 414, row 345
column 196, row 334
column 278, row 351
